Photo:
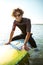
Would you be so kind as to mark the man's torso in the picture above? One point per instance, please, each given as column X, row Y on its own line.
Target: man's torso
column 24, row 25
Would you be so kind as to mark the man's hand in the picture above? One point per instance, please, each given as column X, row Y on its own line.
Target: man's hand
column 25, row 47
column 7, row 43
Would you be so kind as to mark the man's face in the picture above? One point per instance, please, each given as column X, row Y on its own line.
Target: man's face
column 18, row 17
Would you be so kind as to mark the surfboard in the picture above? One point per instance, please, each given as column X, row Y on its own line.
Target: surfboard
column 12, row 55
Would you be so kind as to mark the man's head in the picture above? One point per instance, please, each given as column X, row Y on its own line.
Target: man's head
column 17, row 13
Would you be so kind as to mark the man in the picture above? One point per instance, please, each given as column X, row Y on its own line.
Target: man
column 25, row 26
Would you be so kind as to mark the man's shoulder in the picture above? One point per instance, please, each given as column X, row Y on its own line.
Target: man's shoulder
column 26, row 19
column 14, row 22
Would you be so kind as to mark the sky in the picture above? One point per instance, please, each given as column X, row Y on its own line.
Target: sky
column 33, row 9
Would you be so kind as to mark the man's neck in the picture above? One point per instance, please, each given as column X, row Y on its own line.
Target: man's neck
column 19, row 20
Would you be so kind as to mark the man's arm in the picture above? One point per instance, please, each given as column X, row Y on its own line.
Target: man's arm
column 11, row 34
column 27, row 38
column 28, row 30
column 10, row 39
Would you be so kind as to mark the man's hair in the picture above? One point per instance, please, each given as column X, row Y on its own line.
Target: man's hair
column 17, row 10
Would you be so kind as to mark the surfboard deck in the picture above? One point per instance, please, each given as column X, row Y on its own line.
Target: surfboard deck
column 11, row 55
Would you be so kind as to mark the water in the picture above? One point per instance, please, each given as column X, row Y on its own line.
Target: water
column 38, row 33
column 36, row 57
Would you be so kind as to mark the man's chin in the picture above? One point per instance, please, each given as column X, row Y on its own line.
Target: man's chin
column 18, row 20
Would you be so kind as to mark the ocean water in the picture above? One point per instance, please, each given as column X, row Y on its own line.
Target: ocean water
column 37, row 56
column 37, row 31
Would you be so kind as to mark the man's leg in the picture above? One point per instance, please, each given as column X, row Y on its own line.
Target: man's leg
column 32, row 42
column 21, row 36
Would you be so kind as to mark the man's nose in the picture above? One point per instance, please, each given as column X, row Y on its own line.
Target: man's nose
column 16, row 16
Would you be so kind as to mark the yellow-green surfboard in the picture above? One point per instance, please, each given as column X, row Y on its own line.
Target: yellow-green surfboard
column 12, row 56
